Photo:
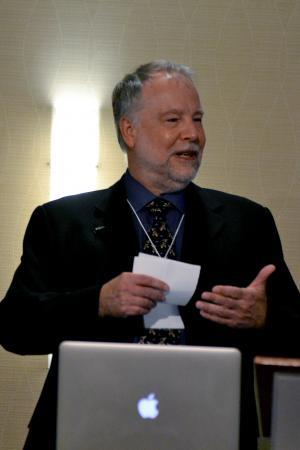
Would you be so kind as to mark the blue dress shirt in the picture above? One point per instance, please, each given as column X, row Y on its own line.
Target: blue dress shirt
column 139, row 196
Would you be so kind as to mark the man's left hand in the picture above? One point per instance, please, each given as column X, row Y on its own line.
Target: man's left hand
column 238, row 307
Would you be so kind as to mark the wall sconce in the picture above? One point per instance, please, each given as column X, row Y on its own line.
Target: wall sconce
column 74, row 145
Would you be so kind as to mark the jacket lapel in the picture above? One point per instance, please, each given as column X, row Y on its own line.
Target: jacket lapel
column 203, row 226
column 204, row 236
column 113, row 227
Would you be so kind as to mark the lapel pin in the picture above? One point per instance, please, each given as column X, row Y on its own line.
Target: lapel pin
column 96, row 230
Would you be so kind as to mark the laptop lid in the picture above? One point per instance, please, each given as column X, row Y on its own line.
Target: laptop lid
column 146, row 397
column 285, row 424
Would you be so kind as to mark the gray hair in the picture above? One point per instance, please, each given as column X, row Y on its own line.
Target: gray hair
column 127, row 92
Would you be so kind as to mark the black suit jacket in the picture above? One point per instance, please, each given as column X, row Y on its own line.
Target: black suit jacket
column 74, row 245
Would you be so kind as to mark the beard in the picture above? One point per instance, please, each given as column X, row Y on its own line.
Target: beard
column 171, row 178
column 161, row 175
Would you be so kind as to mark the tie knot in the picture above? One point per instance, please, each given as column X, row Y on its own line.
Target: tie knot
column 158, row 206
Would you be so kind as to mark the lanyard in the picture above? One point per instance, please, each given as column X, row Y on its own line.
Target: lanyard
column 150, row 240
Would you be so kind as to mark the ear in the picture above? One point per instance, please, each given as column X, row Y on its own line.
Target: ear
column 128, row 131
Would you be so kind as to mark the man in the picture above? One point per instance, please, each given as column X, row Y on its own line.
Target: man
column 75, row 280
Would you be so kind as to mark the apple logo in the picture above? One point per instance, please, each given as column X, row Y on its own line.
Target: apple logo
column 148, row 407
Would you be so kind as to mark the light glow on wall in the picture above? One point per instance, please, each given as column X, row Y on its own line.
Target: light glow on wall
column 74, row 145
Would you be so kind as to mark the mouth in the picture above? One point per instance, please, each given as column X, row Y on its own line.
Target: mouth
column 187, row 154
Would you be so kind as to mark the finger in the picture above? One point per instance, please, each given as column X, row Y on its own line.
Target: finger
column 146, row 280
column 142, row 305
column 149, row 293
column 215, row 318
column 262, row 276
column 143, row 302
column 140, row 285
column 135, row 306
column 228, row 291
column 230, row 301
column 231, row 317
column 136, row 311
column 228, row 321
column 214, row 309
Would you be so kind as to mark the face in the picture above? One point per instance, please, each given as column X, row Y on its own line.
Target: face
column 166, row 136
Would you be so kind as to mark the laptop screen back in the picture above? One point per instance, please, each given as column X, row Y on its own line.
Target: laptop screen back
column 285, row 431
column 133, row 397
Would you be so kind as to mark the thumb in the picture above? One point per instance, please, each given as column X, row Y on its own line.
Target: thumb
column 262, row 276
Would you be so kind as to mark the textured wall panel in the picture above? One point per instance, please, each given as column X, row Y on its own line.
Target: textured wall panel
column 247, row 61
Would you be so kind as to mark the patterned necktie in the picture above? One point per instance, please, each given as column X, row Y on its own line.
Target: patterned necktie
column 159, row 232
column 161, row 237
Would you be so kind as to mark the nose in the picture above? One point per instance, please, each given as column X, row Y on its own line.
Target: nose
column 193, row 131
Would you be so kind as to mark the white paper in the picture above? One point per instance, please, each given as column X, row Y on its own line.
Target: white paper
column 163, row 316
column 181, row 277
column 182, row 280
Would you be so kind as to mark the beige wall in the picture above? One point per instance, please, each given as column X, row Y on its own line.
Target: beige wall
column 246, row 55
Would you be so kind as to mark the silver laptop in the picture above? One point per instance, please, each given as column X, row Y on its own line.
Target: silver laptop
column 147, row 397
column 285, row 431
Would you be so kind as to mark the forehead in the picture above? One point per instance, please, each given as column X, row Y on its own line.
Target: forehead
column 172, row 91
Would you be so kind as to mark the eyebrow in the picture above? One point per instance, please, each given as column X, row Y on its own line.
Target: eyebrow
column 178, row 111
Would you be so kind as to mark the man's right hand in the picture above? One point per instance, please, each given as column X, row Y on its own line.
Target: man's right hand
column 130, row 294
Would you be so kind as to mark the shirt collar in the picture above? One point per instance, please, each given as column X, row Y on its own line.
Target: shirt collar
column 139, row 196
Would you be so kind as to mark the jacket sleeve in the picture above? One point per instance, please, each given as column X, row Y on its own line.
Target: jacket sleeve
column 283, row 314
column 38, row 311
